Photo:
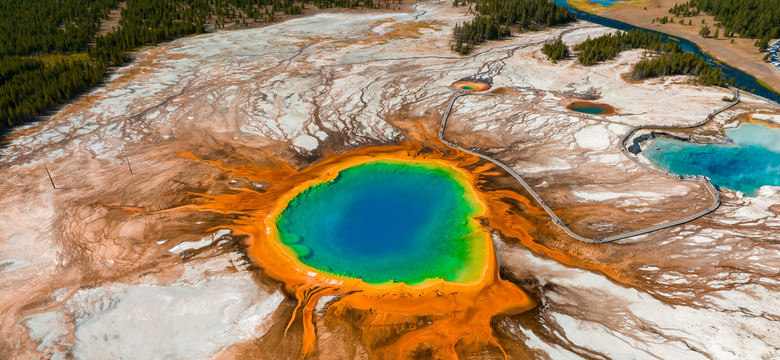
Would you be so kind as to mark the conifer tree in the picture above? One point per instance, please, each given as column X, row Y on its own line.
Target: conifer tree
column 495, row 18
column 705, row 31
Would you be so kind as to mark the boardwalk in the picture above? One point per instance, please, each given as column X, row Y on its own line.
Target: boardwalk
column 558, row 221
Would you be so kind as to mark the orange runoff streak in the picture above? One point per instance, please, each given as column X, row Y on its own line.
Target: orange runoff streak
column 459, row 313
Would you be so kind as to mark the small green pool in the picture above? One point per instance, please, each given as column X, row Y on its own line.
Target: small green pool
column 587, row 107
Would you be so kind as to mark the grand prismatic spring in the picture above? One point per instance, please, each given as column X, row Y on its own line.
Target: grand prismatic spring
column 193, row 206
column 395, row 234
column 388, row 221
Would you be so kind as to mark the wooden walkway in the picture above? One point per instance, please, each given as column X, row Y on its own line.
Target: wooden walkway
column 558, row 221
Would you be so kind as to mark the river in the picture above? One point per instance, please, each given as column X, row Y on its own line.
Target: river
column 742, row 78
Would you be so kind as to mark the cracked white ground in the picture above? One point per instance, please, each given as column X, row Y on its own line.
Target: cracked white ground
column 78, row 278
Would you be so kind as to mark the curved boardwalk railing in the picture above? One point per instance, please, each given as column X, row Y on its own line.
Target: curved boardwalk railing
column 597, row 240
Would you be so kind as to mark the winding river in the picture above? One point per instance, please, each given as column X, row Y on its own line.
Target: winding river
column 742, row 78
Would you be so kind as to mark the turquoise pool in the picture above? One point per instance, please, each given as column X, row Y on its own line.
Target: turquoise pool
column 751, row 161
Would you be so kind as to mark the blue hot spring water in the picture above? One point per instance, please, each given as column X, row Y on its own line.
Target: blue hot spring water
column 752, row 160
column 388, row 221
